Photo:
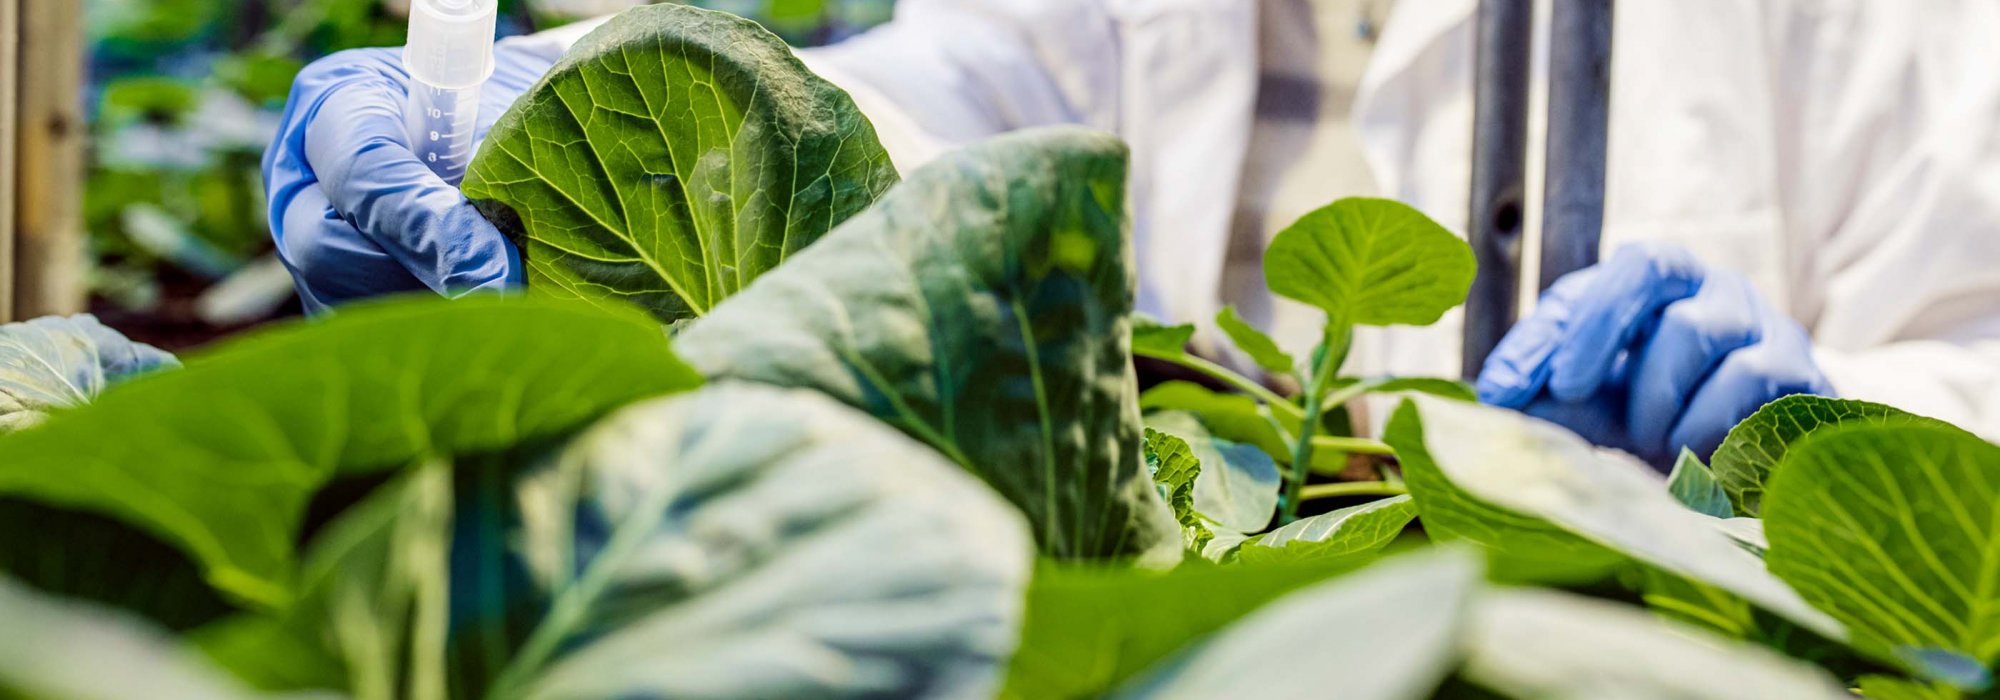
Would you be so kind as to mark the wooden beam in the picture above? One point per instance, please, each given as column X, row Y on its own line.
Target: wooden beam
column 10, row 94
column 48, row 245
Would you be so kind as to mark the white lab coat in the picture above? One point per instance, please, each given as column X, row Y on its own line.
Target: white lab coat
column 1844, row 154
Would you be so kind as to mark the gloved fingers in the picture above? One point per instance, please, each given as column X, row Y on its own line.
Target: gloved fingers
column 1747, row 379
column 357, row 147
column 1595, row 419
column 330, row 261
column 1519, row 366
column 1693, row 337
column 1624, row 298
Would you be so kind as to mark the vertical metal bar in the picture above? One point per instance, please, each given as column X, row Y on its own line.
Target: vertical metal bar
column 1499, row 172
column 1579, row 112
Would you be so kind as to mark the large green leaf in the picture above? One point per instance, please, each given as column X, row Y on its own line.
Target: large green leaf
column 1528, row 488
column 1754, row 448
column 1892, row 529
column 1091, row 628
column 749, row 542
column 983, row 306
column 1386, row 633
column 1372, row 262
column 1359, row 530
column 55, row 362
column 1238, row 488
column 1531, row 643
column 1521, row 546
column 736, row 542
column 670, row 158
column 61, row 650
column 220, row 459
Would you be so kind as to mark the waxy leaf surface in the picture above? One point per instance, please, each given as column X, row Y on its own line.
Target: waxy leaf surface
column 670, row 158
column 1373, row 262
column 1891, row 528
column 984, row 307
column 221, row 458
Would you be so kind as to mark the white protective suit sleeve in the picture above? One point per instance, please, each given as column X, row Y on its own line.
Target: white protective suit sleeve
column 1176, row 79
column 1844, row 154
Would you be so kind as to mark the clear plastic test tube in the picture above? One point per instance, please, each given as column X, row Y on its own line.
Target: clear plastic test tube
column 449, row 55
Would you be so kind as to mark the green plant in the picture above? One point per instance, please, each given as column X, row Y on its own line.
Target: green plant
column 910, row 462
column 671, row 158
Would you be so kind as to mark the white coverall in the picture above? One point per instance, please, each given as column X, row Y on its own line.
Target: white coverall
column 1843, row 154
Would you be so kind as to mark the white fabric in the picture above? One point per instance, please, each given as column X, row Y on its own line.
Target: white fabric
column 944, row 73
column 1844, row 154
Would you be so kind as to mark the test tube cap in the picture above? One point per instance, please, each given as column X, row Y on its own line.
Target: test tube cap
column 451, row 42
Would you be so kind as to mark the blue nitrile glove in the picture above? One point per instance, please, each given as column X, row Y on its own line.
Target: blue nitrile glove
column 1649, row 352
column 353, row 212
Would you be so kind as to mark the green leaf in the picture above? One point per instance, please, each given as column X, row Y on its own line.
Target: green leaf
column 1531, row 490
column 670, row 158
column 1175, row 468
column 377, row 595
column 53, row 363
column 1261, row 348
column 220, row 459
column 1232, row 417
column 1755, row 447
column 745, row 541
column 1238, row 489
column 1441, row 388
column 1530, row 643
column 1091, row 628
column 1520, row 546
column 53, row 648
column 1700, row 604
column 1695, row 487
column 95, row 558
column 1388, row 632
column 1359, row 530
column 1890, row 528
column 1152, row 339
column 1373, row 262
column 1892, row 688
column 983, row 307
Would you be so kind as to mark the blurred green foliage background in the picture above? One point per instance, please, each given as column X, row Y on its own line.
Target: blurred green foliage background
column 185, row 94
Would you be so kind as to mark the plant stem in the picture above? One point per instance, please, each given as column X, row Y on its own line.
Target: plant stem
column 1332, row 351
column 1241, row 383
column 1349, row 392
column 1352, row 488
column 1352, row 445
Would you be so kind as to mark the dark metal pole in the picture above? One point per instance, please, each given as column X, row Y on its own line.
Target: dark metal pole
column 1499, row 172
column 1579, row 110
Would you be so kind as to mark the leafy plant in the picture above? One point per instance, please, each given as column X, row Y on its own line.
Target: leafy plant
column 910, row 461
column 670, row 158
column 1364, row 262
column 54, row 363
column 981, row 307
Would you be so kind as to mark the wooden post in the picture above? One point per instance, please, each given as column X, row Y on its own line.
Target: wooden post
column 10, row 81
column 48, row 238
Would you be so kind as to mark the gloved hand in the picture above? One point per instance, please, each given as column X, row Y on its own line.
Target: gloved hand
column 353, row 212
column 1649, row 352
